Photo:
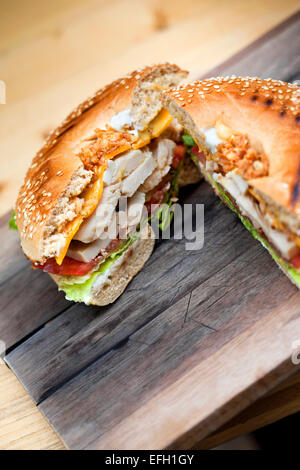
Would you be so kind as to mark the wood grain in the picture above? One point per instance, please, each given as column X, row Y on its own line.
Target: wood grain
column 19, row 281
column 133, row 356
column 185, row 331
column 194, row 404
column 22, row 425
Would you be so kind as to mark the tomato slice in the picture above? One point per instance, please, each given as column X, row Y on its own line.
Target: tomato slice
column 200, row 155
column 69, row 266
column 179, row 154
column 72, row 267
column 295, row 261
column 157, row 196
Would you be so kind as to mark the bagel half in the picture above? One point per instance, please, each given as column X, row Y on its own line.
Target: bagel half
column 53, row 190
column 119, row 142
column 246, row 139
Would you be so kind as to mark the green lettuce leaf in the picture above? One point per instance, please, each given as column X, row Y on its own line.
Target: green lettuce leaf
column 188, row 140
column 12, row 221
column 285, row 266
column 80, row 291
column 189, row 144
column 165, row 213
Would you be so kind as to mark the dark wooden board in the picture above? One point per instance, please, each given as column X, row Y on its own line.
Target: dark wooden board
column 195, row 338
column 23, row 291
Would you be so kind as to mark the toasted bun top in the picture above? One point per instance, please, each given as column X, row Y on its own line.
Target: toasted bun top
column 50, row 195
column 268, row 111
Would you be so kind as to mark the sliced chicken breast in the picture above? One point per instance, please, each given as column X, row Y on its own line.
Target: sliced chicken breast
column 122, row 223
column 237, row 187
column 121, row 167
column 95, row 225
column 87, row 251
column 163, row 154
column 138, row 176
column 129, row 219
column 123, row 177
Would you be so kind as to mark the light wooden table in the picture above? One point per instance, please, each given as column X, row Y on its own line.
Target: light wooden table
column 52, row 55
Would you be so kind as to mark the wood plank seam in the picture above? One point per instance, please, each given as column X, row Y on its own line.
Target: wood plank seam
column 33, row 332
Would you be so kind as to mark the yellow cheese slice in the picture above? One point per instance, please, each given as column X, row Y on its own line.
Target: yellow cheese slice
column 69, row 233
column 91, row 197
column 160, row 123
column 156, row 127
column 143, row 140
column 93, row 193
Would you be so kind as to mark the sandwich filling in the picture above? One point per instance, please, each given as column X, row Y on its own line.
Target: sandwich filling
column 228, row 161
column 136, row 175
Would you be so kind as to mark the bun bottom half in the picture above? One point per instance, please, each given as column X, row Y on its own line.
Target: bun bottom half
column 123, row 270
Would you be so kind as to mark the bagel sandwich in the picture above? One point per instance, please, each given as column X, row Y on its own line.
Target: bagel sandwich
column 120, row 144
column 244, row 134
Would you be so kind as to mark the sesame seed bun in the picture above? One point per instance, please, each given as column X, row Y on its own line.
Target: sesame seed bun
column 132, row 262
column 268, row 112
column 53, row 186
